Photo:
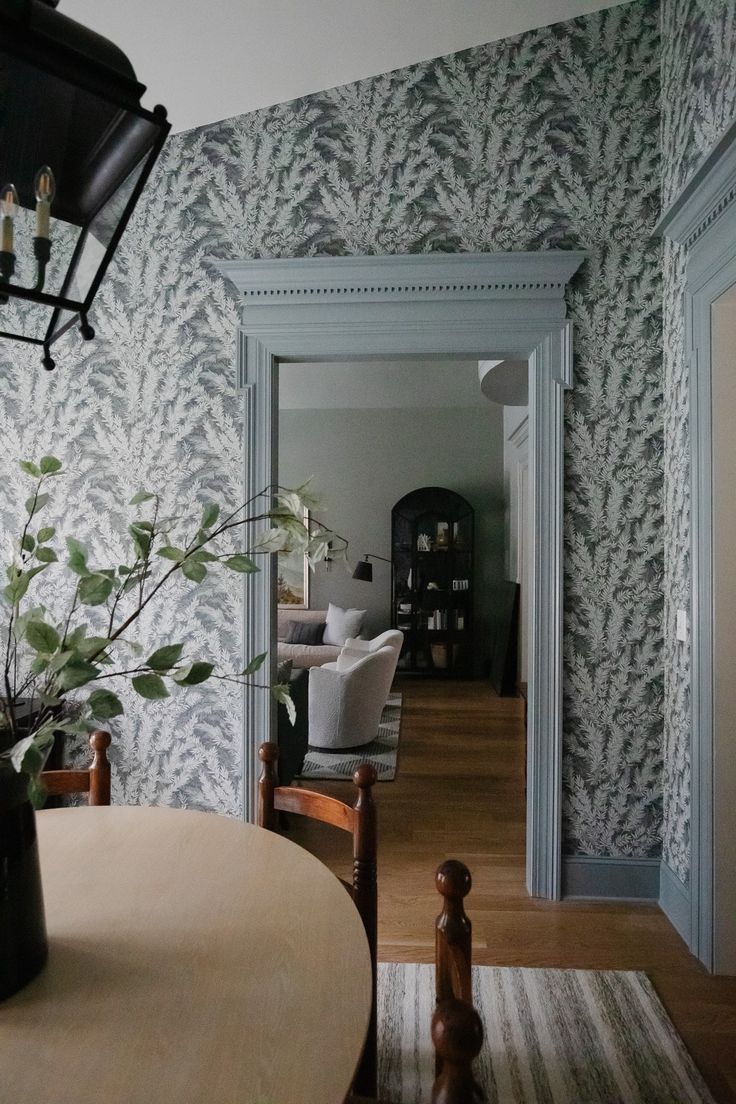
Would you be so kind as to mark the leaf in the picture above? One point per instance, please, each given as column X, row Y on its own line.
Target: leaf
column 254, row 664
column 42, row 637
column 194, row 571
column 18, row 752
column 17, row 587
column 170, row 553
column 58, row 661
column 76, row 636
column 194, row 674
column 76, row 673
column 36, row 503
column 28, row 543
column 141, row 540
column 46, row 555
column 50, row 465
column 93, row 645
column 95, row 589
column 163, row 659
column 210, row 515
column 77, row 561
column 150, row 686
column 39, row 664
column 241, row 563
column 141, row 496
column 103, row 705
column 280, row 692
column 30, row 468
column 37, row 791
column 45, row 534
column 203, row 556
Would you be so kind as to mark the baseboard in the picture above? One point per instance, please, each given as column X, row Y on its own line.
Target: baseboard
column 674, row 901
column 623, row 878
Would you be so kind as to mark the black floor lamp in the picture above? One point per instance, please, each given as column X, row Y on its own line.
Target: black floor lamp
column 364, row 569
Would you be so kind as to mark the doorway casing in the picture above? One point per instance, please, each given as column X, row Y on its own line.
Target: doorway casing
column 508, row 305
column 703, row 220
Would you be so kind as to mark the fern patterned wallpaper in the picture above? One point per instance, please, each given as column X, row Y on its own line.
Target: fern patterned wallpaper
column 698, row 103
column 550, row 139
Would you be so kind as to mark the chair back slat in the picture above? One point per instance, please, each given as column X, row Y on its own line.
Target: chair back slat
column 315, row 805
column 94, row 781
column 361, row 822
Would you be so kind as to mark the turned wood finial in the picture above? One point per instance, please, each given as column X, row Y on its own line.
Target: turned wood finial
column 365, row 776
column 268, row 754
column 457, row 1035
column 99, row 774
column 453, row 937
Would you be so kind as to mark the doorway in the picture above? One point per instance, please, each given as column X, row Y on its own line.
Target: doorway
column 435, row 305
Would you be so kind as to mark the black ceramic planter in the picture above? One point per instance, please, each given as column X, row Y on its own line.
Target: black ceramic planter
column 23, row 946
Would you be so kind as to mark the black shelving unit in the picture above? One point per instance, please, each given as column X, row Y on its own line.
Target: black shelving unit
column 433, row 593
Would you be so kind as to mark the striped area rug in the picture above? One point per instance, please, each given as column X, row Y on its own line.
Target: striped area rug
column 382, row 752
column 552, row 1037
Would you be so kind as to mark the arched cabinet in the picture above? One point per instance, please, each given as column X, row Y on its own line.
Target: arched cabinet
column 433, row 592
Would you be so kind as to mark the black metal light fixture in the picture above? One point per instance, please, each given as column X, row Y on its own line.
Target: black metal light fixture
column 76, row 149
column 364, row 569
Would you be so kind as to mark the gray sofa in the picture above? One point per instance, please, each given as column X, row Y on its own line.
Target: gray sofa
column 303, row 655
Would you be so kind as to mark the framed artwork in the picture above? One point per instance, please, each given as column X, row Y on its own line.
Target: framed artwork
column 293, row 578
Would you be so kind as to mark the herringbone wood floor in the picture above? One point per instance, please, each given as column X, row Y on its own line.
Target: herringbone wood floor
column 459, row 793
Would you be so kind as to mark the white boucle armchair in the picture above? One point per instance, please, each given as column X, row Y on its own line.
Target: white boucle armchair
column 345, row 705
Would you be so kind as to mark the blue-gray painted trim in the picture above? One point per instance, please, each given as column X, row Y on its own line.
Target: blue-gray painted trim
column 466, row 305
column 674, row 900
column 703, row 218
column 707, row 194
column 619, row 878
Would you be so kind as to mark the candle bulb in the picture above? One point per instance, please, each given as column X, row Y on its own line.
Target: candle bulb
column 8, row 208
column 45, row 186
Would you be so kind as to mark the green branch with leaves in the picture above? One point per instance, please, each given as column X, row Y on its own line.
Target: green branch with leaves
column 46, row 659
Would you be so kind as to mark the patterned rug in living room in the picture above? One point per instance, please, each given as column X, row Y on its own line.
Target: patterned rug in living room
column 382, row 753
column 551, row 1037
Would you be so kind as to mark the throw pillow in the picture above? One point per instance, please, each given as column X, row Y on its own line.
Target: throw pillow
column 305, row 632
column 342, row 623
column 358, row 644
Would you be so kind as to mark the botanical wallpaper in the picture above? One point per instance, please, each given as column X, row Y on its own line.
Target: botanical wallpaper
column 698, row 103
column 549, row 139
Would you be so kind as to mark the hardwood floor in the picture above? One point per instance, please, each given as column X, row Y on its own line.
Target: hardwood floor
column 459, row 794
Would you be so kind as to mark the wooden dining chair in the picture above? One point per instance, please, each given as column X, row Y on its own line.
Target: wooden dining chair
column 360, row 821
column 457, row 1030
column 94, row 780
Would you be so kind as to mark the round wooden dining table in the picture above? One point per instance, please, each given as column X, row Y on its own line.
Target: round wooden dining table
column 192, row 958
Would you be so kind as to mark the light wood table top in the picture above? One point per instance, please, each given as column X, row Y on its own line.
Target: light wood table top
column 192, row 958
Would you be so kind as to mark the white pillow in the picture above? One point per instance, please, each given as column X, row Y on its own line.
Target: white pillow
column 348, row 657
column 358, row 644
column 342, row 623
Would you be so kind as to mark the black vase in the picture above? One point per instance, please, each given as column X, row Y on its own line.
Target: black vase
column 23, row 945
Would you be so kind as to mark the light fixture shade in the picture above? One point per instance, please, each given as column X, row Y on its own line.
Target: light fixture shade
column 363, row 571
column 69, row 99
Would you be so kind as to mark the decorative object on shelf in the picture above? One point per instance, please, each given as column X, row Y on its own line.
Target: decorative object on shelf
column 432, row 548
column 87, row 647
column 75, row 144
column 292, row 585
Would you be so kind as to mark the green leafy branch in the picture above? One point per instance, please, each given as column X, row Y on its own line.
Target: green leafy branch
column 45, row 660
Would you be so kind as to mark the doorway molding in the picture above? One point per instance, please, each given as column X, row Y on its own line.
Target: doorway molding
column 703, row 220
column 509, row 305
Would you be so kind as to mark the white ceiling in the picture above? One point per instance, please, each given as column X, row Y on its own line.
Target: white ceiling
column 209, row 60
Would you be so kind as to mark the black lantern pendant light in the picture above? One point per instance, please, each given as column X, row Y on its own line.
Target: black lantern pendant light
column 76, row 149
